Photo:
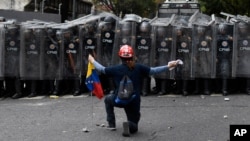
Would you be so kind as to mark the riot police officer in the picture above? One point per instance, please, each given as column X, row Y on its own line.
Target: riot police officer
column 13, row 85
column 71, row 80
column 203, row 53
column 142, row 52
column 163, row 51
column 183, row 52
column 224, row 56
column 105, row 50
column 242, row 68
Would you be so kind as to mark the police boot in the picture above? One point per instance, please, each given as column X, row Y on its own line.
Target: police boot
column 57, row 87
column 77, row 88
column 33, row 88
column 17, row 95
column 206, row 87
column 156, row 89
column 224, row 87
column 178, row 86
column 18, row 87
column 184, row 88
column 145, row 86
column 163, row 87
column 197, row 84
column 248, row 86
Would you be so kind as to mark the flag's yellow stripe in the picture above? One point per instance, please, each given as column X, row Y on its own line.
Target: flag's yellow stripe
column 90, row 67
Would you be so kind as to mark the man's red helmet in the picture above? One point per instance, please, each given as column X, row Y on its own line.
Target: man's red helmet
column 126, row 51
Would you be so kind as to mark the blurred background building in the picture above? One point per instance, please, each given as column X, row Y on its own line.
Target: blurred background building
column 48, row 10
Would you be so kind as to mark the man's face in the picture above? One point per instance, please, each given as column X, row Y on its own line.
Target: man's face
column 129, row 62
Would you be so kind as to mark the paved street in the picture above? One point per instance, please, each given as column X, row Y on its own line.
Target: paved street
column 166, row 118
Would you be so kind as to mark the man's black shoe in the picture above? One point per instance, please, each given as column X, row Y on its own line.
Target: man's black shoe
column 111, row 126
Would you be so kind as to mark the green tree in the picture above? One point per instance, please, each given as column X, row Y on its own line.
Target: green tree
column 233, row 7
column 143, row 8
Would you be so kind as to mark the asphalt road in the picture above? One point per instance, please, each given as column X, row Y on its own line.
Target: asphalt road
column 166, row 118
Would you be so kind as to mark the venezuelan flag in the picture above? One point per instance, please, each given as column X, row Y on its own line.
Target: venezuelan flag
column 93, row 82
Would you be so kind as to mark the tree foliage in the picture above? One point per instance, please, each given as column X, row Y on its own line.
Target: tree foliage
column 143, row 8
column 233, row 7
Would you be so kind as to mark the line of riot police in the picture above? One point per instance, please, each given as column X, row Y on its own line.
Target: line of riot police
column 51, row 58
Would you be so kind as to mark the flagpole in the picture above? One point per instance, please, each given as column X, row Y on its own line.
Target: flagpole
column 92, row 110
column 85, row 129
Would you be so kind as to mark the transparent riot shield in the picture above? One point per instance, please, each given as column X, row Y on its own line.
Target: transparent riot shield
column 31, row 43
column 143, row 43
column 182, row 37
column 51, row 56
column 223, row 43
column 88, row 42
column 11, row 51
column 162, row 48
column 126, row 35
column 107, row 29
column 241, row 50
column 201, row 19
column 202, row 58
column 2, row 44
column 70, row 53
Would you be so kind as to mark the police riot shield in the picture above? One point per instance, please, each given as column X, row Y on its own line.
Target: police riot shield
column 126, row 34
column 32, row 38
column 223, row 43
column 203, row 57
column 107, row 29
column 88, row 42
column 143, row 43
column 201, row 19
column 241, row 50
column 11, row 51
column 69, row 53
column 51, row 56
column 182, row 37
column 162, row 48
column 2, row 44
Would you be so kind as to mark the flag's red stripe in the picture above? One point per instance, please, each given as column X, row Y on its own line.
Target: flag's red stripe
column 98, row 90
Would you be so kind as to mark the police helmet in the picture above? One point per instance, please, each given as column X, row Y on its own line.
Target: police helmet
column 27, row 33
column 109, row 19
column 102, row 26
column 200, row 29
column 242, row 25
column 126, row 28
column 222, row 27
column 161, row 31
column 59, row 34
column 179, row 31
column 145, row 27
column 51, row 32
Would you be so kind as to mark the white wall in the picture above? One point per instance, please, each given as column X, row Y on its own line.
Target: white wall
column 17, row 4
